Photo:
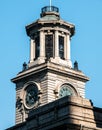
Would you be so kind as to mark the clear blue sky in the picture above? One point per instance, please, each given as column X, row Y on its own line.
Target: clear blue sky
column 86, row 45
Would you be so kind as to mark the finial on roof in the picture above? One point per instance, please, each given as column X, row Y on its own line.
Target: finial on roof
column 24, row 66
column 76, row 65
column 50, row 4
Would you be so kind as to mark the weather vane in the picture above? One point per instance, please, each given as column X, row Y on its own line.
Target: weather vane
column 50, row 4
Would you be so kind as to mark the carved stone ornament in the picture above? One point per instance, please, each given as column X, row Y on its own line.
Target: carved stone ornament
column 19, row 103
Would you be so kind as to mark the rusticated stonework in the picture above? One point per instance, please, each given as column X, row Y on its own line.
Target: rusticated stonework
column 49, row 78
column 68, row 113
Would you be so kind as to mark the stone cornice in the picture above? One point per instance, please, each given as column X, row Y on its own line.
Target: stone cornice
column 50, row 67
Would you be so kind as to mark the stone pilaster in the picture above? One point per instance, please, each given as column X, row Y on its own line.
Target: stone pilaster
column 42, row 44
column 68, row 51
column 56, row 45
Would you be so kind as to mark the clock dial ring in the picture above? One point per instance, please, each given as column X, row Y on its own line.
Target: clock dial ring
column 31, row 96
column 66, row 90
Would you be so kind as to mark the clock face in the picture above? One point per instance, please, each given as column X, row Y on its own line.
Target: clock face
column 66, row 90
column 31, row 95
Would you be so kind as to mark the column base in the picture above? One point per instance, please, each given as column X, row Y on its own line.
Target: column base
column 38, row 61
column 69, row 63
column 58, row 60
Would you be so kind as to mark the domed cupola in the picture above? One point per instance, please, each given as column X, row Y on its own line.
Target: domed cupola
column 50, row 38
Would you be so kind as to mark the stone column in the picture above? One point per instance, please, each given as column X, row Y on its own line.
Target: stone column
column 42, row 44
column 65, row 48
column 56, row 44
column 68, row 51
column 32, row 50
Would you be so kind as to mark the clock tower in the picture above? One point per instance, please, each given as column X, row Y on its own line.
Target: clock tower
column 49, row 75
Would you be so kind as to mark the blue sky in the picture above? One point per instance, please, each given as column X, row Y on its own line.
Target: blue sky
column 86, row 45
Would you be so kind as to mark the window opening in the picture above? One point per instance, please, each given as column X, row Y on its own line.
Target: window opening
column 49, row 46
column 61, row 47
column 37, row 47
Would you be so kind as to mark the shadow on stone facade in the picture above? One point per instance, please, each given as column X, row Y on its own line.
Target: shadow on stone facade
column 98, row 116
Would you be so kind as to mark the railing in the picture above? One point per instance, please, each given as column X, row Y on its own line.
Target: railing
column 50, row 9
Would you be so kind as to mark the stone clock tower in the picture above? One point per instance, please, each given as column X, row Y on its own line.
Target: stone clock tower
column 50, row 92
column 49, row 74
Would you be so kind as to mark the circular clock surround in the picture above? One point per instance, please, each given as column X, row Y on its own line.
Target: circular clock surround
column 66, row 90
column 31, row 96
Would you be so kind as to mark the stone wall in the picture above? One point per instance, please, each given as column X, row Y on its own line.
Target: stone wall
column 68, row 113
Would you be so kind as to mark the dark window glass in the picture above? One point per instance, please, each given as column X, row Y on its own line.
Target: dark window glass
column 61, row 47
column 37, row 47
column 49, row 45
